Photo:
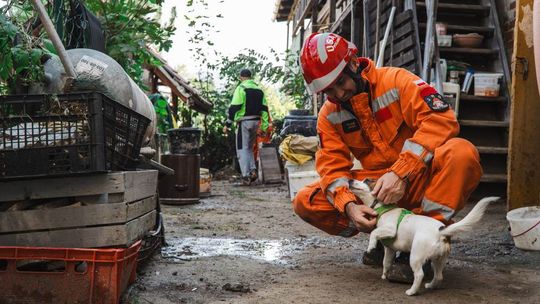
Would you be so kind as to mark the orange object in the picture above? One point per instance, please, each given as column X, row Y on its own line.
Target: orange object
column 89, row 275
column 405, row 127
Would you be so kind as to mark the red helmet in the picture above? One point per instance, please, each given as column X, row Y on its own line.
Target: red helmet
column 323, row 58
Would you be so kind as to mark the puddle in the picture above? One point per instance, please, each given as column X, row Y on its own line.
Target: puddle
column 192, row 248
column 272, row 251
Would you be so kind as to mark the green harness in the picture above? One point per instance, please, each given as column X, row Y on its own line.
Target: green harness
column 385, row 208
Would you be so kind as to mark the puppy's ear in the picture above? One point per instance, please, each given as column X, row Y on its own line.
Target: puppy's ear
column 370, row 182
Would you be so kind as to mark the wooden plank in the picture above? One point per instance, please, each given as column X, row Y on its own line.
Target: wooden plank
column 524, row 146
column 61, row 187
column 404, row 59
column 140, row 184
column 88, row 237
column 135, row 184
column 72, row 217
column 493, row 178
column 487, row 31
column 474, row 98
column 483, row 123
column 492, row 150
column 482, row 10
column 469, row 51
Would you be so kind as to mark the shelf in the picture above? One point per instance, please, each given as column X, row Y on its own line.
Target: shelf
column 452, row 28
column 493, row 178
column 483, row 123
column 482, row 10
column 473, row 98
column 492, row 150
column 468, row 51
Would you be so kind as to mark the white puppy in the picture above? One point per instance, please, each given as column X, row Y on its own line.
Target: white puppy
column 424, row 237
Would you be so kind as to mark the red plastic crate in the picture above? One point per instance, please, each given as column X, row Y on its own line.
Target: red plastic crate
column 89, row 276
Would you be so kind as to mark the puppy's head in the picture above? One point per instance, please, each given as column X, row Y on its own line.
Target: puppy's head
column 362, row 189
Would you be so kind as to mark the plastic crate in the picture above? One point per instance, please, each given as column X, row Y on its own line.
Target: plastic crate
column 67, row 275
column 65, row 134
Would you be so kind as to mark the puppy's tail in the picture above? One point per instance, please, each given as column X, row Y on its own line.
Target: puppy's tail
column 470, row 220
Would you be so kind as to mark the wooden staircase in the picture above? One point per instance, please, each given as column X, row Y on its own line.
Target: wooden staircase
column 483, row 120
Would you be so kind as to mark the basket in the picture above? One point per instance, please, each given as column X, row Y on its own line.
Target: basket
column 66, row 275
column 67, row 134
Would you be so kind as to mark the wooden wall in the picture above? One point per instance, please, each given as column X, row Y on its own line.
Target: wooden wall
column 524, row 146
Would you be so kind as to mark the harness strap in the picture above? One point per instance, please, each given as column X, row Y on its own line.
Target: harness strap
column 385, row 208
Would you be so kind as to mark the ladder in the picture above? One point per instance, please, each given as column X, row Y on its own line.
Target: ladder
column 483, row 120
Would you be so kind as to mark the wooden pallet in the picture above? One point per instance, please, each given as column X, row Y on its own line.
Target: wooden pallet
column 114, row 209
column 269, row 167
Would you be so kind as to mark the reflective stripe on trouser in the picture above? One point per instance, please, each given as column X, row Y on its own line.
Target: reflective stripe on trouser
column 439, row 192
column 245, row 139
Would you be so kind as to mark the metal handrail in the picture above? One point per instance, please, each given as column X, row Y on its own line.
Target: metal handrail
column 431, row 48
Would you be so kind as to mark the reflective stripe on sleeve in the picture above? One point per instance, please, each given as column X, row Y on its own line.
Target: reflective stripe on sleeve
column 385, row 99
column 417, row 150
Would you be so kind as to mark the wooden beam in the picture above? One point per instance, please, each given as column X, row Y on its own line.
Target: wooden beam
column 524, row 145
column 303, row 14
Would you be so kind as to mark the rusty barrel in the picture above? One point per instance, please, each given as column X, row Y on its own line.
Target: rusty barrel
column 182, row 187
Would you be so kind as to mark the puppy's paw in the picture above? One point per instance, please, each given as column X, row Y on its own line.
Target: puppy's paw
column 410, row 292
column 383, row 276
column 431, row 285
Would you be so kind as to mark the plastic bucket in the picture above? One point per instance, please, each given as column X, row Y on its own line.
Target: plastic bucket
column 299, row 180
column 487, row 84
column 525, row 227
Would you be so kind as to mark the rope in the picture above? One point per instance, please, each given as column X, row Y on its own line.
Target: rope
column 520, row 234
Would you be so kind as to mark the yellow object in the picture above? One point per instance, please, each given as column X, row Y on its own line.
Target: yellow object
column 298, row 149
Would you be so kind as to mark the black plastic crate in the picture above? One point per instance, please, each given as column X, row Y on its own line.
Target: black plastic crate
column 67, row 134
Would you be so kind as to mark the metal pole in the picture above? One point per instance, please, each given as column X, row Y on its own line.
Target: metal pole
column 377, row 26
column 380, row 58
column 53, row 35
column 429, row 40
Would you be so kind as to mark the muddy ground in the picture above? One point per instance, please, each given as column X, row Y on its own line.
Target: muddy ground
column 245, row 245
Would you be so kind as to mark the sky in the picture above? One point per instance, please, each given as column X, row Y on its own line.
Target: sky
column 246, row 24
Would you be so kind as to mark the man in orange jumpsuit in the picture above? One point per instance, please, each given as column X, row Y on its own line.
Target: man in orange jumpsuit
column 398, row 127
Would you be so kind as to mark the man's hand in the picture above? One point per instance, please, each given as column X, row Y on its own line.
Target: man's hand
column 225, row 130
column 389, row 188
column 363, row 217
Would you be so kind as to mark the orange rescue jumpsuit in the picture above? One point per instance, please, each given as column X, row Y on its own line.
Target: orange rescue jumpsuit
column 405, row 128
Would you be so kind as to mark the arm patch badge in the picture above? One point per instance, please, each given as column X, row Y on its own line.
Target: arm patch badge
column 434, row 100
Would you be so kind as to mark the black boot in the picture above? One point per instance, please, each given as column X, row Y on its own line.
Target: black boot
column 400, row 271
column 374, row 257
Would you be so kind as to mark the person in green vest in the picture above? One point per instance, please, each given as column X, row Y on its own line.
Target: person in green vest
column 164, row 116
column 249, row 110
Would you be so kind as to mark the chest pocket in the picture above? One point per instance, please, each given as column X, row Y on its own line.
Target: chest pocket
column 387, row 113
column 354, row 137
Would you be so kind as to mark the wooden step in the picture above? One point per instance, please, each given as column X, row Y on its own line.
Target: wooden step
column 468, row 51
column 483, row 123
column 492, row 150
column 454, row 28
column 474, row 98
column 493, row 178
column 481, row 10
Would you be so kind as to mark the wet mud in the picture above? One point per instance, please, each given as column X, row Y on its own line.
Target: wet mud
column 246, row 245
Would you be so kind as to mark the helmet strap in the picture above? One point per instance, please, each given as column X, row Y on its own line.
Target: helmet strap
column 360, row 83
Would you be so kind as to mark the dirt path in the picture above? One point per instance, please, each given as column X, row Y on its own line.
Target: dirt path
column 245, row 245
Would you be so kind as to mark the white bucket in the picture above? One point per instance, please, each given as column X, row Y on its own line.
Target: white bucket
column 299, row 180
column 486, row 84
column 525, row 227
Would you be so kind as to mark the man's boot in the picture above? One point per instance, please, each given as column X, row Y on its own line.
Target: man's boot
column 375, row 257
column 401, row 272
